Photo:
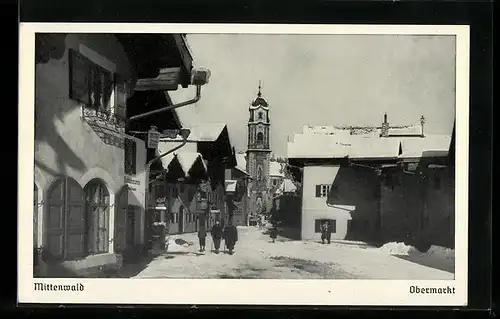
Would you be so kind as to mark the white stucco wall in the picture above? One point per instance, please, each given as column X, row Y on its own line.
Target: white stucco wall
column 315, row 208
column 65, row 145
column 137, row 189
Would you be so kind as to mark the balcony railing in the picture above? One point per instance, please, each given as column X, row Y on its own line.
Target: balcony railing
column 109, row 126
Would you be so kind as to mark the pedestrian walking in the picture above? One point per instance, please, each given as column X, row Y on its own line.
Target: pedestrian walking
column 202, row 234
column 274, row 233
column 230, row 236
column 216, row 235
column 326, row 232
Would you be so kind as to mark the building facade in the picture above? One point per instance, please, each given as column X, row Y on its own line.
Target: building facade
column 237, row 181
column 393, row 186
column 191, row 193
column 259, row 154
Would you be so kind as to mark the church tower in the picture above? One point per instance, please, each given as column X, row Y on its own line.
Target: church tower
column 258, row 154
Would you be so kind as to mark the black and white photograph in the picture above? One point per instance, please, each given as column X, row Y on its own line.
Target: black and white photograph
column 245, row 156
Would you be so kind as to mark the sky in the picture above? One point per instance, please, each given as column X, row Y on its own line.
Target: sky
column 322, row 80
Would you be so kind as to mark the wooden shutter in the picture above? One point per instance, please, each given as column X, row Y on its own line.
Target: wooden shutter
column 102, row 229
column 75, row 222
column 317, row 225
column 55, row 220
column 121, row 96
column 35, row 216
column 79, row 77
column 318, row 190
column 121, row 221
column 107, row 84
column 130, row 156
column 333, row 226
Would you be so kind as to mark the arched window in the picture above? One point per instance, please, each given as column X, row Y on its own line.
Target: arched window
column 97, row 214
column 260, row 137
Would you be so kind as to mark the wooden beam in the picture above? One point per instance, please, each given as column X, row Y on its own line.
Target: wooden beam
column 167, row 80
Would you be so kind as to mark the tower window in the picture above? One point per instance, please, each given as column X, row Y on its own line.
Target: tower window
column 260, row 137
column 259, row 173
column 260, row 115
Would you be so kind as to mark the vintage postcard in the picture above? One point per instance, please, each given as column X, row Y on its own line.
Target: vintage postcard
column 243, row 164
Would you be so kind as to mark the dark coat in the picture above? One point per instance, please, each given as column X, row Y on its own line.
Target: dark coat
column 230, row 234
column 216, row 231
column 274, row 232
column 326, row 232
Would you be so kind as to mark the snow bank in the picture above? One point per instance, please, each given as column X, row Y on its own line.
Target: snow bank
column 440, row 252
column 436, row 256
column 398, row 248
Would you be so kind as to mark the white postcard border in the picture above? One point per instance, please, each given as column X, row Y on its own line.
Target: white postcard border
column 233, row 291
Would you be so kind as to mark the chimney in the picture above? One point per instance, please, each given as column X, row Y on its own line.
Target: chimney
column 384, row 132
column 422, row 122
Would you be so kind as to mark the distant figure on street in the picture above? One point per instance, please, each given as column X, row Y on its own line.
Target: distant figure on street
column 274, row 233
column 202, row 234
column 230, row 236
column 216, row 235
column 326, row 232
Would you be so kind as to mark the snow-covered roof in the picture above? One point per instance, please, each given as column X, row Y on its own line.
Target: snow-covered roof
column 408, row 130
column 287, row 186
column 367, row 146
column 275, row 169
column 241, row 163
column 207, row 132
column 373, row 147
column 317, row 146
column 429, row 146
column 185, row 159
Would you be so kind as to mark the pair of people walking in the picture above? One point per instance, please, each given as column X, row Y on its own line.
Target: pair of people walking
column 326, row 232
column 229, row 234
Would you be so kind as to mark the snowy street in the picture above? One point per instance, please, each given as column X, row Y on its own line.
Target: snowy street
column 256, row 257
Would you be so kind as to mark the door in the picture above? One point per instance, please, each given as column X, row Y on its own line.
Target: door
column 65, row 220
column 130, row 232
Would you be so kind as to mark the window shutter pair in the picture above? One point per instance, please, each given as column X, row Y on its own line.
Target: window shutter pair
column 318, row 190
column 81, row 71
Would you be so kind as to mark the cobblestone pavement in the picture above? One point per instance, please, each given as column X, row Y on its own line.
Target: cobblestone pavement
column 256, row 257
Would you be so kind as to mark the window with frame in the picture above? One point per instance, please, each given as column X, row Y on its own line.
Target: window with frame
column 322, row 190
column 260, row 116
column 130, row 157
column 96, row 87
column 332, row 224
column 260, row 137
